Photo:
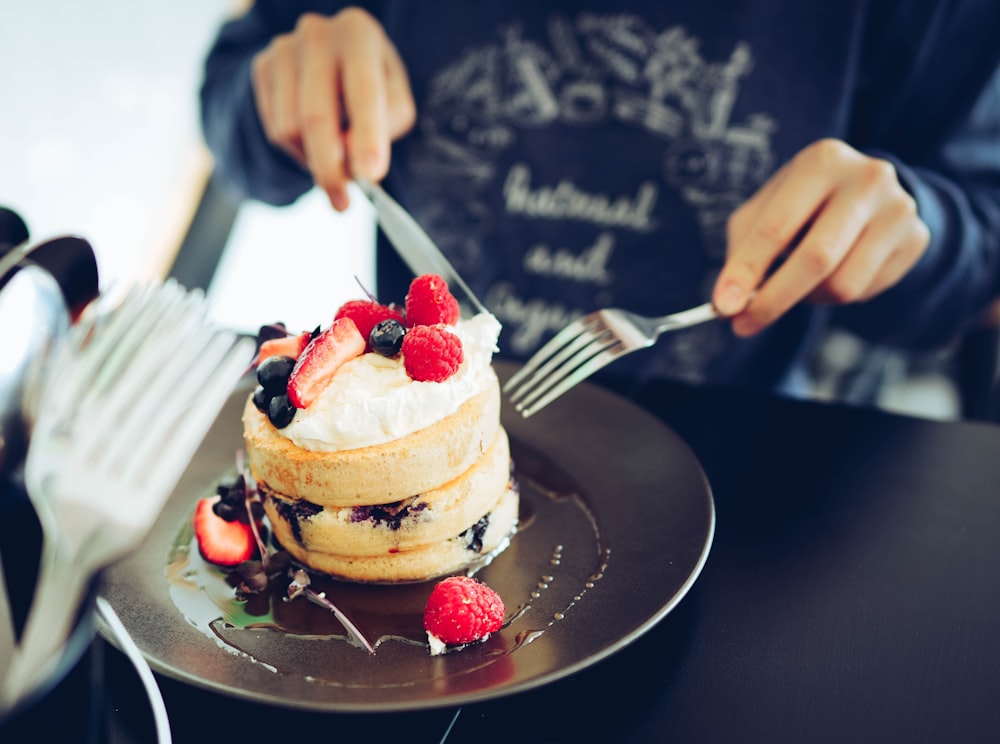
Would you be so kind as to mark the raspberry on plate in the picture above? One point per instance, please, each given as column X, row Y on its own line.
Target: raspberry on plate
column 461, row 610
column 431, row 353
column 366, row 314
column 429, row 302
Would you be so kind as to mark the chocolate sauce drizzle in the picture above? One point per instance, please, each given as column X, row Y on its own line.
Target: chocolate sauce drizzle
column 555, row 557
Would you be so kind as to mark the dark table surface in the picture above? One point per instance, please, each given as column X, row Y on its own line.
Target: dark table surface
column 852, row 593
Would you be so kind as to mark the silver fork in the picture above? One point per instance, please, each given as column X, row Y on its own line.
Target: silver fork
column 120, row 409
column 588, row 344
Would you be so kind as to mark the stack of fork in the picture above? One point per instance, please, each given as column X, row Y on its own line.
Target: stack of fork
column 119, row 409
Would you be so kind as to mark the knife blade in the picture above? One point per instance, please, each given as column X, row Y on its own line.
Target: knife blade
column 412, row 244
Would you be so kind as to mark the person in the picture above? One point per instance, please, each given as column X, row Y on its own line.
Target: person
column 799, row 164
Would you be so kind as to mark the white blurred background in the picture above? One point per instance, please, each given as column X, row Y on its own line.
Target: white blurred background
column 99, row 136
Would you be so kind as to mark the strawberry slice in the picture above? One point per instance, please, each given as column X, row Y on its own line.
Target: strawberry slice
column 290, row 346
column 221, row 542
column 324, row 355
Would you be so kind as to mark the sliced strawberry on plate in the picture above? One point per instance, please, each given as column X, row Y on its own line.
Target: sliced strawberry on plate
column 321, row 359
column 290, row 346
column 221, row 542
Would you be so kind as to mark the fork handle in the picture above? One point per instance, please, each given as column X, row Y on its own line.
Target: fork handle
column 61, row 585
column 687, row 318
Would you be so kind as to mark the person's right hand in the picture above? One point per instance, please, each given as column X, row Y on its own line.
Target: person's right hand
column 334, row 94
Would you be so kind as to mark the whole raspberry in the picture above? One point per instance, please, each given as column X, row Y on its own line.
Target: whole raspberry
column 429, row 302
column 431, row 353
column 366, row 314
column 461, row 610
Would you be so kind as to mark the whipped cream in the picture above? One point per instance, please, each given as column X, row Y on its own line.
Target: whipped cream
column 371, row 400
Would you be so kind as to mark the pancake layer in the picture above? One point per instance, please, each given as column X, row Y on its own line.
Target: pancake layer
column 381, row 474
column 425, row 518
column 480, row 542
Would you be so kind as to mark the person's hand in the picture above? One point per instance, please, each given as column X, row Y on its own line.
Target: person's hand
column 334, row 94
column 845, row 227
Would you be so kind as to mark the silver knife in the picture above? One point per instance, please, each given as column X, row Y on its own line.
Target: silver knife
column 412, row 244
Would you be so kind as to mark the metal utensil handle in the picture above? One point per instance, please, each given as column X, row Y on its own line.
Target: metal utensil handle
column 412, row 244
column 12, row 257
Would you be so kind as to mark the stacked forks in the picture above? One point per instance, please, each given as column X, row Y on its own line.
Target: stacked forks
column 119, row 409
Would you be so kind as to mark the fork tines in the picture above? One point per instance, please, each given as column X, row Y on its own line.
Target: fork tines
column 576, row 352
column 118, row 411
column 588, row 344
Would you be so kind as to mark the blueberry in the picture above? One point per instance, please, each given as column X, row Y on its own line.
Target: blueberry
column 474, row 535
column 232, row 490
column 231, row 482
column 271, row 331
column 257, row 509
column 273, row 372
column 295, row 512
column 279, row 562
column 280, row 411
column 253, row 575
column 386, row 337
column 227, row 511
column 261, row 399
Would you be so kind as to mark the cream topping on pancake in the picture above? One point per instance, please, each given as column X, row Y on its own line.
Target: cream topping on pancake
column 372, row 400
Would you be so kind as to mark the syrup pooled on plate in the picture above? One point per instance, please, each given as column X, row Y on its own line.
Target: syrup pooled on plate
column 556, row 556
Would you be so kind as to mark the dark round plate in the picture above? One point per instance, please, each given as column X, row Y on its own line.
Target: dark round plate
column 617, row 522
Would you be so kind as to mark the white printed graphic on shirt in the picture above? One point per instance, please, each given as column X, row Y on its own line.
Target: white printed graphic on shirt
column 585, row 72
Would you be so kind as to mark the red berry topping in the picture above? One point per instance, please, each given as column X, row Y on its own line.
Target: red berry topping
column 366, row 314
column 321, row 359
column 289, row 346
column 221, row 542
column 462, row 609
column 429, row 302
column 431, row 353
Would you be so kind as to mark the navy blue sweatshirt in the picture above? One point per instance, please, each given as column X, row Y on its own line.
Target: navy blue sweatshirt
column 575, row 155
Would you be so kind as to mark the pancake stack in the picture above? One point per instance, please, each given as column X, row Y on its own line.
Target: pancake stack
column 430, row 503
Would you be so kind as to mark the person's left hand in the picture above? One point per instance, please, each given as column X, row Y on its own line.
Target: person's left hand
column 849, row 229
